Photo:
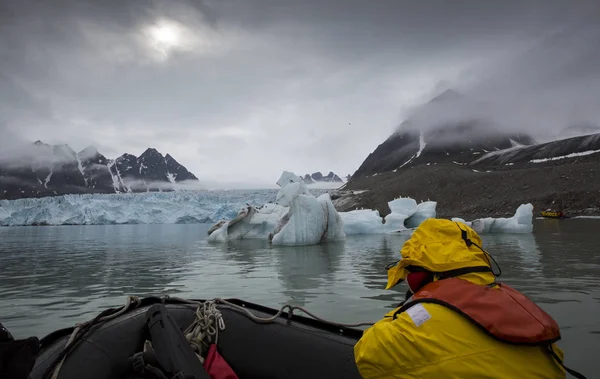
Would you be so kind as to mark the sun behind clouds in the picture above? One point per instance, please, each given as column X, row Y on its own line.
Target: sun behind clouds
column 164, row 36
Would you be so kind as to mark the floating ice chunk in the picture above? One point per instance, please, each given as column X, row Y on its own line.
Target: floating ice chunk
column 521, row 222
column 298, row 218
column 305, row 225
column 220, row 234
column 362, row 221
column 402, row 209
column 335, row 224
column 424, row 211
column 249, row 223
column 290, row 192
column 288, row 177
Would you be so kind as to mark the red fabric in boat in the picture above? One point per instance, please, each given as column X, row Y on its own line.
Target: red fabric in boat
column 216, row 366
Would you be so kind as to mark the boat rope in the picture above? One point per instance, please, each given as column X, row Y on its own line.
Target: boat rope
column 81, row 329
column 268, row 320
column 205, row 329
column 201, row 333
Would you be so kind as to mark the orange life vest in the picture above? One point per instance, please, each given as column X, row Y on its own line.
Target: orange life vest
column 501, row 312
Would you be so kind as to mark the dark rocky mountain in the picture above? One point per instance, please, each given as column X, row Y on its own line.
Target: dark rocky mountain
column 472, row 171
column 94, row 167
column 556, row 152
column 178, row 172
column 150, row 172
column 40, row 170
column 578, row 130
column 318, row 177
column 45, row 170
column 417, row 142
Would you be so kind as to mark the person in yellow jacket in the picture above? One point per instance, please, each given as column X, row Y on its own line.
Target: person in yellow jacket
column 459, row 322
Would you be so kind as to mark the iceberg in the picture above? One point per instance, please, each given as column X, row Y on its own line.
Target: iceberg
column 425, row 210
column 251, row 222
column 521, row 222
column 406, row 215
column 296, row 218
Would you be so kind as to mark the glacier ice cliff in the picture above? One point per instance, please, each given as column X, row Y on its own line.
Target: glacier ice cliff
column 144, row 208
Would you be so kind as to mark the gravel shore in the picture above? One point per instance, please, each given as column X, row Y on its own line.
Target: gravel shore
column 572, row 186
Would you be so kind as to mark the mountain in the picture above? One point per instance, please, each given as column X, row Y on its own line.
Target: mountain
column 94, row 167
column 558, row 152
column 318, row 177
column 474, row 170
column 424, row 140
column 150, row 172
column 39, row 170
column 578, row 130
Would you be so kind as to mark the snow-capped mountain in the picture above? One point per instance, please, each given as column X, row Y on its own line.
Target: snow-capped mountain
column 560, row 151
column 150, row 172
column 472, row 168
column 45, row 170
column 460, row 144
column 458, row 141
column 318, row 177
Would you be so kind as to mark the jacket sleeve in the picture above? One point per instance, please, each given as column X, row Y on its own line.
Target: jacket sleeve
column 384, row 348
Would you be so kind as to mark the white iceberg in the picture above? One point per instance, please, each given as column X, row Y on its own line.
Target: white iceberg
column 297, row 218
column 362, row 221
column 406, row 215
column 249, row 223
column 521, row 222
column 309, row 221
column 425, row 210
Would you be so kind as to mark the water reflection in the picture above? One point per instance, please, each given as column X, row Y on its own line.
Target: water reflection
column 52, row 277
column 307, row 272
column 369, row 257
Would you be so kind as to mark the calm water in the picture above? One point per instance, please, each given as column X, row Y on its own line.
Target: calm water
column 52, row 277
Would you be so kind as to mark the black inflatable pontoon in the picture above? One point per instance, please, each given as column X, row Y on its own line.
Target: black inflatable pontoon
column 291, row 346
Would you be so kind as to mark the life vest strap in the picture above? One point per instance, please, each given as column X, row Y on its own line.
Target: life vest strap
column 576, row 374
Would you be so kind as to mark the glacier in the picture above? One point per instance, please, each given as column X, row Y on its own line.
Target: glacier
column 292, row 215
column 130, row 208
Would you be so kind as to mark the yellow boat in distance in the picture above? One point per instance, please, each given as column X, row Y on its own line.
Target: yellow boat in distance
column 548, row 213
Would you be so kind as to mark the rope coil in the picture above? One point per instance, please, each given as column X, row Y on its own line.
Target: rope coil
column 204, row 331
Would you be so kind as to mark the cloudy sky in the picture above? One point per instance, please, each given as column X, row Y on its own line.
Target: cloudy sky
column 238, row 91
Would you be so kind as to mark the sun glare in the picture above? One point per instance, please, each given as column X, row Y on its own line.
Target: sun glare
column 165, row 35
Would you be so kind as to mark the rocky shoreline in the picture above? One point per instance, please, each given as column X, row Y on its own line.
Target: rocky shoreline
column 462, row 191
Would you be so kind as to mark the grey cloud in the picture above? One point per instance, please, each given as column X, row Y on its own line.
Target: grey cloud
column 542, row 90
column 312, row 84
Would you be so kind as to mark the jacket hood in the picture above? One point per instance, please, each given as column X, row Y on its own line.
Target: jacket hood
column 439, row 246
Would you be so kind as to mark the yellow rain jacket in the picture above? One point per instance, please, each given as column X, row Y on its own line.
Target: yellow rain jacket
column 433, row 341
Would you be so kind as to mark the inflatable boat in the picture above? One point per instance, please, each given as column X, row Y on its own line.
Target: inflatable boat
column 549, row 213
column 253, row 340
